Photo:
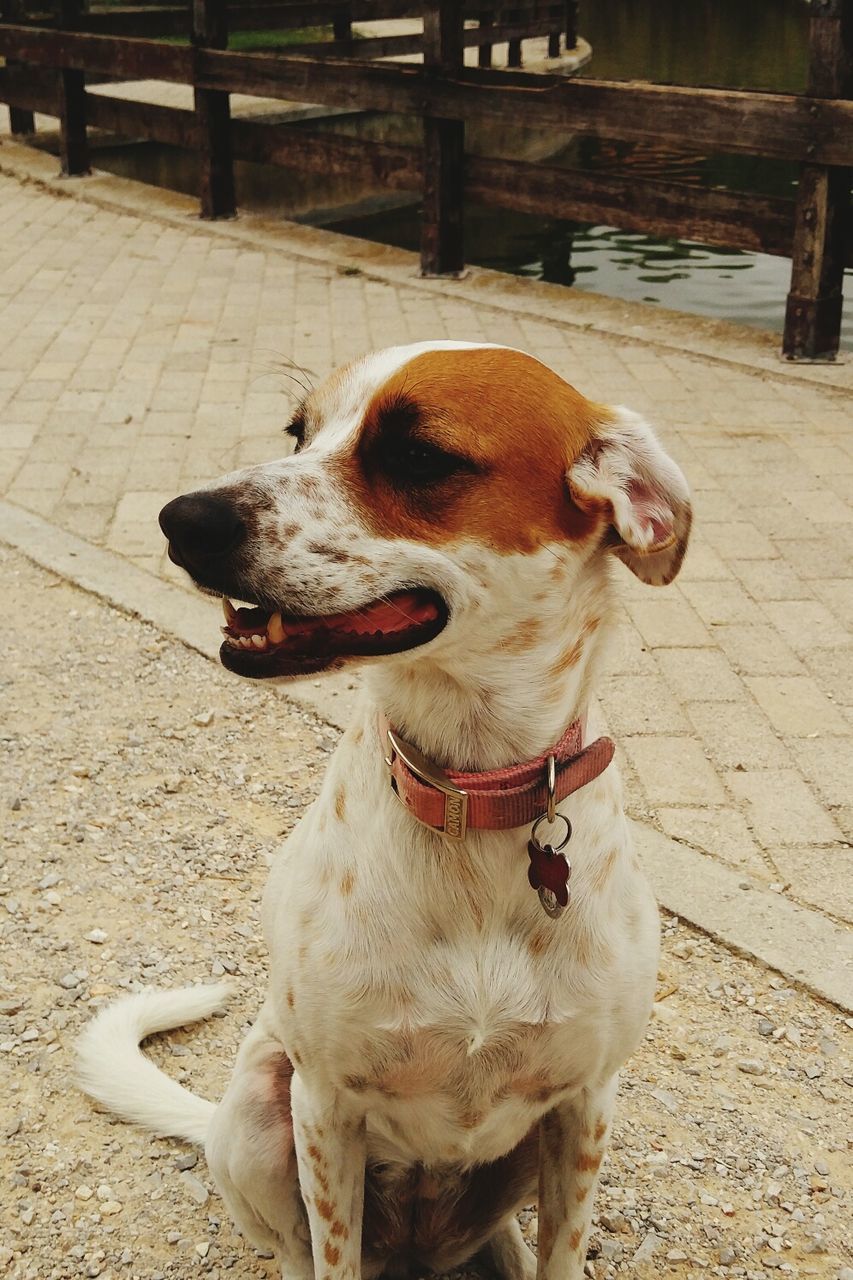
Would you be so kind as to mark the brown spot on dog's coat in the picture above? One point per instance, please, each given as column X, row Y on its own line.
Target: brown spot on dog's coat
column 539, row 941
column 569, row 658
column 291, row 999
column 326, row 1209
column 588, row 1161
column 600, row 1130
column 572, row 655
column 575, row 1238
column 603, row 871
column 347, row 883
column 524, row 637
column 340, row 803
column 331, row 1253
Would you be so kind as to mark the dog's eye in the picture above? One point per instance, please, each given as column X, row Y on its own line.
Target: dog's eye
column 296, row 428
column 415, row 462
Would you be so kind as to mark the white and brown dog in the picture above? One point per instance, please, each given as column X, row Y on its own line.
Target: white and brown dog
column 435, row 1051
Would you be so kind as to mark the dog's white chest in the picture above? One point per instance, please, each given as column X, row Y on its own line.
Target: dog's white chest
column 454, row 1052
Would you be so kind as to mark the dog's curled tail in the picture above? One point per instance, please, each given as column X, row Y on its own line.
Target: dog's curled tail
column 112, row 1069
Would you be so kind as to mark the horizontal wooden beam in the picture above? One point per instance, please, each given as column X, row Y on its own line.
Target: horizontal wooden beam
column 122, row 58
column 764, row 124
column 150, row 21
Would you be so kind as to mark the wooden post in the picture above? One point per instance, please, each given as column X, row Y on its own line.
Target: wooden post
column 73, row 143
column 554, row 37
column 571, row 24
column 213, row 117
column 513, row 56
column 484, row 53
column 444, row 152
column 823, row 213
column 342, row 24
column 21, row 122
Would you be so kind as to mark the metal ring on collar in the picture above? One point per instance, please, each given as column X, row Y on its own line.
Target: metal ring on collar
column 545, row 818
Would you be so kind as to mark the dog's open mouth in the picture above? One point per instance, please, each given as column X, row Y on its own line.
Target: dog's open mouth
column 261, row 643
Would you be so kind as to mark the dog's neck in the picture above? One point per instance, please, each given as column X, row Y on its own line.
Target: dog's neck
column 505, row 701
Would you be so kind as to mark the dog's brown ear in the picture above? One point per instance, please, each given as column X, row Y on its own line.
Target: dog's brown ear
column 625, row 473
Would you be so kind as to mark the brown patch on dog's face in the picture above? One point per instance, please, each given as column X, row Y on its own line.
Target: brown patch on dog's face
column 471, row 444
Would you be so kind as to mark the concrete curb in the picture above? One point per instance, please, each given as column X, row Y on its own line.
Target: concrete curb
column 800, row 943
column 748, row 917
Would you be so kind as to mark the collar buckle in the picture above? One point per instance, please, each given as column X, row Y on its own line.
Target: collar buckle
column 455, row 799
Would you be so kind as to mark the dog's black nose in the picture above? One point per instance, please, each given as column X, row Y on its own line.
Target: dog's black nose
column 201, row 526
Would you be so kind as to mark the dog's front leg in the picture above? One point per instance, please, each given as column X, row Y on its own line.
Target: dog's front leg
column 330, row 1152
column 573, row 1139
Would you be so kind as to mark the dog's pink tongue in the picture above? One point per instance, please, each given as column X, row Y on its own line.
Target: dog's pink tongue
column 401, row 610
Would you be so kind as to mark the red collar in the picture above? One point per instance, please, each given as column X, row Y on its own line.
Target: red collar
column 498, row 799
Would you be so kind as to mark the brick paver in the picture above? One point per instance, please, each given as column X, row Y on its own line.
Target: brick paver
column 140, row 358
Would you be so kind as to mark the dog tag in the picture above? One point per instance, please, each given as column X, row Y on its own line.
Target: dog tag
column 549, row 873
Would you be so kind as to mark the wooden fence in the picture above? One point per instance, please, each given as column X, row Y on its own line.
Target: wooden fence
column 49, row 56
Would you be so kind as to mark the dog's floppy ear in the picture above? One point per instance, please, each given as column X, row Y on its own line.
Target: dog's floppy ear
column 625, row 473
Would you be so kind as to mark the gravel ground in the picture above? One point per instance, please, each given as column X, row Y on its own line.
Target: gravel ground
column 142, row 790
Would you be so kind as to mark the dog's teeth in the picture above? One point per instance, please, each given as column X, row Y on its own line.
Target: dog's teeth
column 245, row 642
column 275, row 630
column 260, row 642
column 229, row 610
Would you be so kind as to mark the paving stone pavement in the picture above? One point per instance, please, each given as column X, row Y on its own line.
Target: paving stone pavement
column 144, row 353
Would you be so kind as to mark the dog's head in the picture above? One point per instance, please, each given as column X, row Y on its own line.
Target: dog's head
column 426, row 485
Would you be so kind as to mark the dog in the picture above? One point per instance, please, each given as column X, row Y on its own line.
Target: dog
column 454, row 983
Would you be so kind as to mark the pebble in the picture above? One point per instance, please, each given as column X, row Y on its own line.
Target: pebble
column 197, row 1190
column 611, row 1250
column 647, row 1248
column 751, row 1066
column 83, row 1192
column 187, row 1161
column 98, row 936
column 666, row 1099
column 615, row 1222
column 110, row 1207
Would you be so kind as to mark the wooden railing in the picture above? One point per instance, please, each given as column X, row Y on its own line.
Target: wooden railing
column 46, row 67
